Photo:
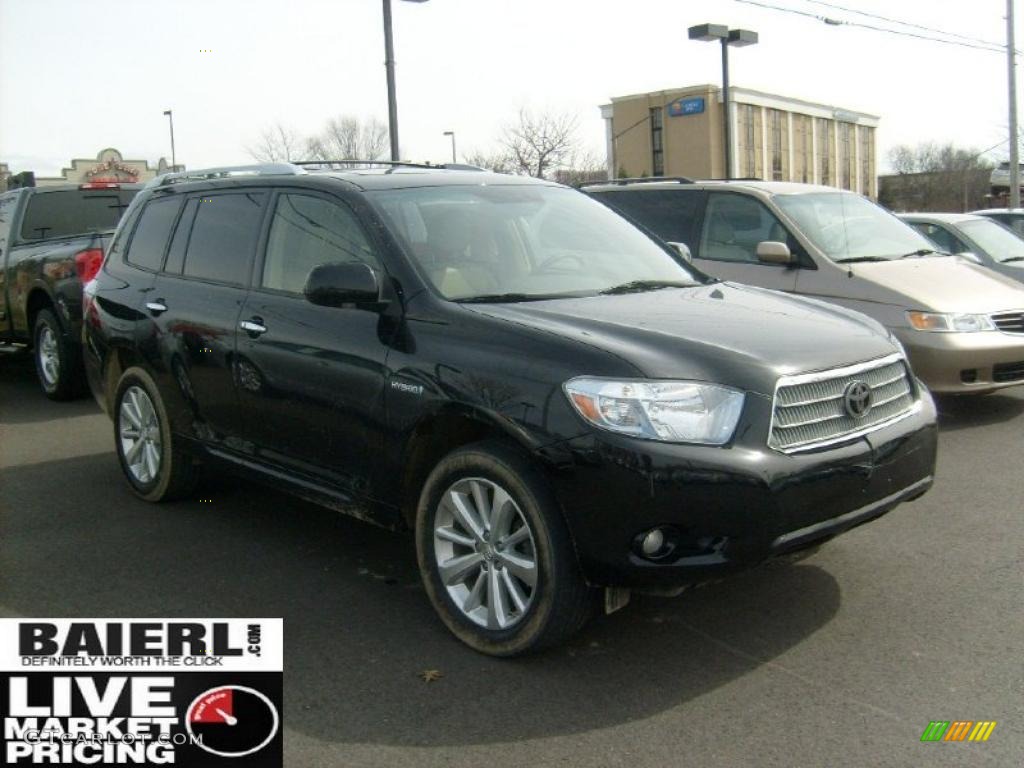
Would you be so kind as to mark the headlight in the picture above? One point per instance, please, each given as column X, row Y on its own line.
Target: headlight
column 670, row 411
column 950, row 323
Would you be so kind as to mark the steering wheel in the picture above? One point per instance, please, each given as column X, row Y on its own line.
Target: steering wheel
column 546, row 265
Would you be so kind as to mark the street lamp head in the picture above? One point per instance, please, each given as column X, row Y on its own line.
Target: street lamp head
column 167, row 112
column 742, row 37
column 709, row 32
column 449, row 133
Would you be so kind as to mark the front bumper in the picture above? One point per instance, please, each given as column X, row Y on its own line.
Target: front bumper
column 964, row 363
column 731, row 507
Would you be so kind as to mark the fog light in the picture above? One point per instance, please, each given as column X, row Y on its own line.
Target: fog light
column 652, row 542
column 969, row 375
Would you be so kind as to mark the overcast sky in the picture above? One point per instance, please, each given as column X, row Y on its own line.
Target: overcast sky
column 80, row 75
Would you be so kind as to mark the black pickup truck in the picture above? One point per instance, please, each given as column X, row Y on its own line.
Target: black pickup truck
column 52, row 241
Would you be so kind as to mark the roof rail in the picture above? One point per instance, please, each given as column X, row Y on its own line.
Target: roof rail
column 639, row 180
column 204, row 174
column 326, row 165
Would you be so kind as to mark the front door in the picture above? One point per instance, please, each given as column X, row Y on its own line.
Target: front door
column 312, row 377
column 732, row 227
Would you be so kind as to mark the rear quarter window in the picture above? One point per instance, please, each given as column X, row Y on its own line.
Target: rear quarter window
column 152, row 232
column 50, row 215
column 670, row 214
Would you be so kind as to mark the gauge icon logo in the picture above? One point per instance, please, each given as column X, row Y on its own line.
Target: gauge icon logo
column 232, row 721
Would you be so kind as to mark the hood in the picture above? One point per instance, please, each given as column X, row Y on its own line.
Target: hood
column 730, row 334
column 940, row 284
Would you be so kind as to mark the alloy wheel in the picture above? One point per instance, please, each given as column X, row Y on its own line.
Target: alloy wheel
column 139, row 430
column 485, row 553
column 49, row 356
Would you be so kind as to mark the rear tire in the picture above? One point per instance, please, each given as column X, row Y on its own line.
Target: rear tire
column 495, row 554
column 153, row 461
column 58, row 358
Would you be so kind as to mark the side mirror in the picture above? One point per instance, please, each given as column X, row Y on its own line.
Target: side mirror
column 774, row 252
column 684, row 251
column 972, row 257
column 338, row 285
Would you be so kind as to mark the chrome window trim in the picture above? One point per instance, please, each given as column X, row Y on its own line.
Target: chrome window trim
column 836, row 373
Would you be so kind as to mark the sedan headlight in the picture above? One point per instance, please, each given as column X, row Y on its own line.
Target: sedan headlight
column 670, row 411
column 950, row 323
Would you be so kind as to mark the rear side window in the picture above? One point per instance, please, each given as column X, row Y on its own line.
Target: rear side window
column 152, row 232
column 7, row 205
column 73, row 212
column 176, row 253
column 669, row 214
column 308, row 231
column 224, row 236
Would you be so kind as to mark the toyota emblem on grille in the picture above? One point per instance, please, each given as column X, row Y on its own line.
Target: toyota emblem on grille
column 857, row 399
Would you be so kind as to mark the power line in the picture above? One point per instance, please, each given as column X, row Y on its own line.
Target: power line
column 905, row 23
column 991, row 47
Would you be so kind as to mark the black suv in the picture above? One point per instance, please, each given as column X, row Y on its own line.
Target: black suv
column 545, row 394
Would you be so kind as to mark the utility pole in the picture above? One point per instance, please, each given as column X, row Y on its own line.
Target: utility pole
column 1011, row 63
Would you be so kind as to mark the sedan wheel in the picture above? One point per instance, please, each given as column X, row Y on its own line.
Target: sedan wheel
column 139, row 431
column 485, row 553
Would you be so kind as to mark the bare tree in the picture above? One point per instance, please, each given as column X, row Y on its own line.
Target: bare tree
column 499, row 161
column 936, row 177
column 348, row 138
column 276, row 143
column 538, row 144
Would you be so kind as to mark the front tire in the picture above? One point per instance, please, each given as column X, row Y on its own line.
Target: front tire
column 58, row 358
column 151, row 457
column 495, row 554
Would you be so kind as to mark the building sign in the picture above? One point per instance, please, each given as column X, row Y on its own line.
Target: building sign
column 680, row 107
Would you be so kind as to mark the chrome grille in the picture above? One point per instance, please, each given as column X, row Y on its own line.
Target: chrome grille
column 810, row 409
column 1009, row 322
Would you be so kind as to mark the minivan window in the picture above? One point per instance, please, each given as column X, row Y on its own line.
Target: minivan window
column 224, row 237
column 73, row 212
column 308, row 231
column 151, row 233
column 669, row 213
column 734, row 225
column 846, row 226
column 944, row 239
column 996, row 240
column 524, row 241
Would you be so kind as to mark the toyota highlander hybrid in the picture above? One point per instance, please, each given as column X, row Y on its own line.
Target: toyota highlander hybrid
column 554, row 403
column 961, row 324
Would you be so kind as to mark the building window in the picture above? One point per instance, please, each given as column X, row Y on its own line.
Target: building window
column 657, row 141
column 867, row 160
column 748, row 138
column 825, row 138
column 844, row 157
column 803, row 148
column 778, row 143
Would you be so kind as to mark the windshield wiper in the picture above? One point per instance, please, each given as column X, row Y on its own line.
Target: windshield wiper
column 924, row 252
column 851, row 259
column 638, row 286
column 499, row 298
column 1012, row 258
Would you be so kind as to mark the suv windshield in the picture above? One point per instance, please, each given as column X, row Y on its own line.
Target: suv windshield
column 845, row 226
column 996, row 240
column 73, row 212
column 518, row 243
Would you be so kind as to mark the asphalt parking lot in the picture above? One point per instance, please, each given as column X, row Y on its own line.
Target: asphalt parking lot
column 841, row 659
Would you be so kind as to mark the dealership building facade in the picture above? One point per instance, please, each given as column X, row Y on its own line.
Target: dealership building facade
column 681, row 133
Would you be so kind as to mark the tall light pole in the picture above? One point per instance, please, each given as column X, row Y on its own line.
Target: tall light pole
column 170, row 118
column 389, row 66
column 1011, row 64
column 452, row 134
column 727, row 37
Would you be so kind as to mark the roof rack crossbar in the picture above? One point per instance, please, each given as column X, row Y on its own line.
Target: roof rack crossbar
column 202, row 174
column 639, row 180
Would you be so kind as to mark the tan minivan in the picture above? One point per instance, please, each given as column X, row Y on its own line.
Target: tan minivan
column 962, row 325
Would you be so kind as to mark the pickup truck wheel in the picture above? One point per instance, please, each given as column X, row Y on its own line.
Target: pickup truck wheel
column 58, row 358
column 495, row 554
column 156, row 466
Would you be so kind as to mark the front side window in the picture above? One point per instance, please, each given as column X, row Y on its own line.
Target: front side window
column 152, row 232
column 942, row 237
column 524, row 241
column 846, row 227
column 734, row 225
column 306, row 232
column 224, row 235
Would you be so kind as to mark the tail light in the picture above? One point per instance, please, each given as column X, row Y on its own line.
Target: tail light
column 88, row 263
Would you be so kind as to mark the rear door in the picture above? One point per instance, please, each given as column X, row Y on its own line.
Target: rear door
column 311, row 378
column 732, row 226
column 195, row 303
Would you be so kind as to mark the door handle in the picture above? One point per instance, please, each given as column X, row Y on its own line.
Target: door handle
column 253, row 326
column 156, row 307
